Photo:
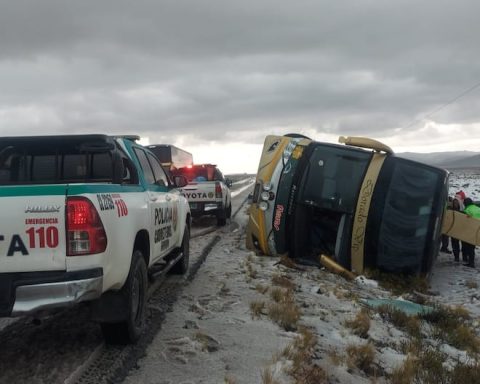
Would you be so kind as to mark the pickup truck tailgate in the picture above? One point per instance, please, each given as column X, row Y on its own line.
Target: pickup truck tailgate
column 201, row 192
column 32, row 228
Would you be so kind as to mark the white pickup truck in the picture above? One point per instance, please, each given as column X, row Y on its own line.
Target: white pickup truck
column 87, row 218
column 208, row 192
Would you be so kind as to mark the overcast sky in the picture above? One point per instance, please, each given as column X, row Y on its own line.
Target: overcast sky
column 214, row 77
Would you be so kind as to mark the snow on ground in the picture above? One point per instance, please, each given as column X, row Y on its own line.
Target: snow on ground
column 466, row 180
column 211, row 337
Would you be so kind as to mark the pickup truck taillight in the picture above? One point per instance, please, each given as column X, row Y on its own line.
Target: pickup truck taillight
column 85, row 231
column 218, row 190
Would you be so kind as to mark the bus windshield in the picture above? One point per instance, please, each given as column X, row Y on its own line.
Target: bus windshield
column 405, row 213
column 333, row 177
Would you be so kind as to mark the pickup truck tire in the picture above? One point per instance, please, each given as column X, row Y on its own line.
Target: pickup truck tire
column 181, row 267
column 229, row 211
column 222, row 217
column 134, row 293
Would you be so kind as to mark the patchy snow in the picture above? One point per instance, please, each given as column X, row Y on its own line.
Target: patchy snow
column 211, row 337
column 466, row 180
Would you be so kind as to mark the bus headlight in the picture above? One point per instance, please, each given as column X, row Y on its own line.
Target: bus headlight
column 263, row 205
column 265, row 196
column 267, row 186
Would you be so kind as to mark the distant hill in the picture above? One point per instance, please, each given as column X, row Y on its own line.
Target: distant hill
column 455, row 159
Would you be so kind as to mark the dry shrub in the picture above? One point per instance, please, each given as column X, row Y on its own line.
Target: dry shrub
column 283, row 281
column 277, row 294
column 229, row 380
column 425, row 368
column 398, row 283
column 300, row 352
column 464, row 337
column 268, row 377
column 465, row 373
column 461, row 312
column 412, row 346
column 405, row 373
column 285, row 314
column 262, row 288
column 345, row 294
column 335, row 357
column 361, row 324
column 471, row 284
column 208, row 343
column 288, row 262
column 452, row 325
column 428, row 368
column 361, row 357
column 409, row 324
column 256, row 308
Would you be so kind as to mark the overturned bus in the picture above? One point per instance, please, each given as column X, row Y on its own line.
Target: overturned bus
column 357, row 203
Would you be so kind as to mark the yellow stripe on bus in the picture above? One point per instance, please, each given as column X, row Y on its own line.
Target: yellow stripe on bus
column 361, row 212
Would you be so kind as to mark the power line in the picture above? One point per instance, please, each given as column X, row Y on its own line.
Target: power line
column 445, row 105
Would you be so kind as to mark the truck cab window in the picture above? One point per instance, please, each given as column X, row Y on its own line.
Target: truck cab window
column 144, row 163
column 158, row 172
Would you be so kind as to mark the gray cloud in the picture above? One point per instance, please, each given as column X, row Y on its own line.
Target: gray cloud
column 228, row 70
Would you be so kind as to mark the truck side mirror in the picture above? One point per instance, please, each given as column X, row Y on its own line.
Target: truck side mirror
column 180, row 181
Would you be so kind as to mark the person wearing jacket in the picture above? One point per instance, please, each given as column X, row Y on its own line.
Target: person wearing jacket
column 468, row 250
column 456, row 206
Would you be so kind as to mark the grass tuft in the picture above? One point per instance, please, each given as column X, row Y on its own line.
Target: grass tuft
column 399, row 284
column 335, row 357
column 452, row 325
column 285, row 314
column 262, row 288
column 361, row 357
column 283, row 281
column 361, row 324
column 409, row 324
column 300, row 353
column 471, row 284
column 256, row 309
column 288, row 262
column 229, row 380
column 426, row 367
column 268, row 377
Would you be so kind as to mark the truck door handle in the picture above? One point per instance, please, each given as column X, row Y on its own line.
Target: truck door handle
column 153, row 198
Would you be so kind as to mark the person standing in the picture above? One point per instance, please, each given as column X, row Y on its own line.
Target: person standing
column 455, row 242
column 460, row 196
column 444, row 238
column 468, row 249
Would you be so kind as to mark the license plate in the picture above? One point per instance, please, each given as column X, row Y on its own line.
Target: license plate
column 193, row 205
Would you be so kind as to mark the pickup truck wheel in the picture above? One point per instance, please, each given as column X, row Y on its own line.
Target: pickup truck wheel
column 222, row 217
column 134, row 293
column 229, row 211
column 182, row 265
